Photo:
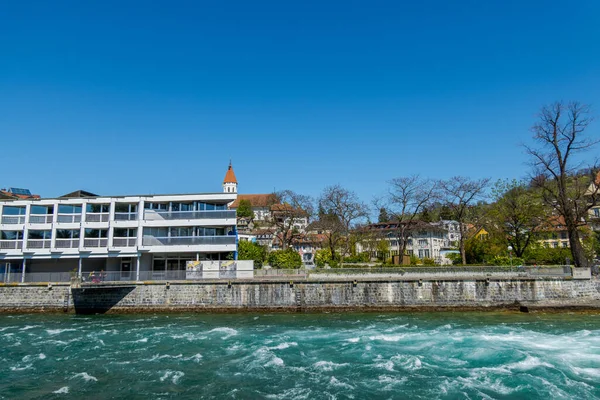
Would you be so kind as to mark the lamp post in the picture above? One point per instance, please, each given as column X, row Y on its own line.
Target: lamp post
column 510, row 254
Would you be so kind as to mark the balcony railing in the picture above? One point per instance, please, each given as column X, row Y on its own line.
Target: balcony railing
column 124, row 242
column 95, row 242
column 66, row 243
column 187, row 240
column 39, row 243
column 97, row 217
column 41, row 218
column 13, row 219
column 68, row 218
column 171, row 215
column 126, row 216
column 11, row 244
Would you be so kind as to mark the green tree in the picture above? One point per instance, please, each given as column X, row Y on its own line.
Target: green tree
column 383, row 215
column 322, row 257
column 287, row 258
column 251, row 251
column 517, row 213
column 244, row 209
column 383, row 250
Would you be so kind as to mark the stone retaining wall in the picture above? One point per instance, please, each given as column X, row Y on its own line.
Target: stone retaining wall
column 300, row 295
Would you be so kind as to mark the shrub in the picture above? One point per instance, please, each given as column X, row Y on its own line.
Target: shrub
column 287, row 258
column 322, row 257
column 428, row 261
column 251, row 251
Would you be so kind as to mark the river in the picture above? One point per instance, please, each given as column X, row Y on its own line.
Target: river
column 301, row 356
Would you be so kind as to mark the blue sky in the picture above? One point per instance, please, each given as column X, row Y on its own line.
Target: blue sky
column 119, row 97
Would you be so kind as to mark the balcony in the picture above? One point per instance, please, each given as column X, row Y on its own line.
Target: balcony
column 97, row 217
column 13, row 219
column 187, row 240
column 41, row 218
column 126, row 216
column 66, row 243
column 124, row 242
column 11, row 244
column 68, row 218
column 39, row 243
column 95, row 242
column 153, row 215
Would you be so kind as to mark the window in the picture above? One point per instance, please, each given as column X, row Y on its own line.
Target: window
column 565, row 244
column 97, row 208
column 563, row 235
column 125, row 232
column 156, row 206
column 41, row 210
column 96, row 233
column 422, row 242
column 39, row 235
column 69, row 209
column 597, row 212
column 181, row 232
column 12, row 210
column 156, row 232
column 125, row 208
column 555, row 244
column 11, row 235
column 67, row 233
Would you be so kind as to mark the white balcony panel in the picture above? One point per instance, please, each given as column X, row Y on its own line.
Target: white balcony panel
column 124, row 242
column 13, row 219
column 68, row 218
column 95, row 242
column 126, row 216
column 97, row 217
column 154, row 215
column 39, row 243
column 11, row 244
column 66, row 243
column 41, row 218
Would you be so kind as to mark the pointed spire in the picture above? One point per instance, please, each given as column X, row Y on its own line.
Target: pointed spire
column 230, row 175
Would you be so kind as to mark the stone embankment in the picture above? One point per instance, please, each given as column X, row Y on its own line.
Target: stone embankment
column 303, row 295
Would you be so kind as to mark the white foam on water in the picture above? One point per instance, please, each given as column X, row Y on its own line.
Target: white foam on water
column 229, row 332
column 18, row 368
column 335, row 382
column 388, row 365
column 353, row 340
column 28, row 327
column 195, row 358
column 162, row 357
column 62, row 390
column 328, row 365
column 275, row 361
column 528, row 363
column 293, row 393
column 59, row 331
column 387, row 338
column 389, row 382
column 85, row 376
column 42, row 356
column 174, row 376
column 589, row 372
column 142, row 340
column 283, row 346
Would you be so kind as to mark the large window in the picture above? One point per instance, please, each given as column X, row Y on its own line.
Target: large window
column 97, row 208
column 125, row 208
column 39, row 234
column 156, row 206
column 67, row 233
column 69, row 209
column 96, row 233
column 41, row 210
column 156, row 232
column 13, row 210
column 11, row 235
column 125, row 232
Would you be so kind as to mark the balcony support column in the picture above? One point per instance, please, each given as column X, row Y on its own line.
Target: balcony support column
column 137, row 267
column 79, row 270
column 24, row 269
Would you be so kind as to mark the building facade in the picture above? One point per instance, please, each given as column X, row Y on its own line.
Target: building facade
column 140, row 237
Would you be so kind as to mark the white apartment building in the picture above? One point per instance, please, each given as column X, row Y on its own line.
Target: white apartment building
column 144, row 237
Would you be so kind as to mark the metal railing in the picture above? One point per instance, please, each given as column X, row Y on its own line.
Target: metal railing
column 124, row 242
column 187, row 240
column 13, row 219
column 97, row 217
column 95, row 242
column 17, row 277
column 68, row 218
column 41, row 218
column 126, row 216
column 39, row 243
column 11, row 244
column 66, row 243
column 171, row 215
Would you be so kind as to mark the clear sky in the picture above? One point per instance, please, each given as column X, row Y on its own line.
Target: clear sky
column 122, row 97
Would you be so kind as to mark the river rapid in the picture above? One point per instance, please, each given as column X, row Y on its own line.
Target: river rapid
column 301, row 356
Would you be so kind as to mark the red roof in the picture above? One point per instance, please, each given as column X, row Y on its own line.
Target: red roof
column 230, row 176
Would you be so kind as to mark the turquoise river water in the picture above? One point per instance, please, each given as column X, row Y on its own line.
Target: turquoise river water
column 301, row 356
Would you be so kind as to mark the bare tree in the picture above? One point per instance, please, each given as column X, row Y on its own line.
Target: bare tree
column 289, row 214
column 340, row 210
column 560, row 135
column 460, row 193
column 406, row 199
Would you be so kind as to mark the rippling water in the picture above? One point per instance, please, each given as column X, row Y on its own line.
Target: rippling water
column 281, row 356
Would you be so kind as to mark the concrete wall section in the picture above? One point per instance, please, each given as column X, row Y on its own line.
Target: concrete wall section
column 304, row 295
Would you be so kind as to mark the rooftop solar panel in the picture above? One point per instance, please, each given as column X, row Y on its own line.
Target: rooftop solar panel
column 24, row 192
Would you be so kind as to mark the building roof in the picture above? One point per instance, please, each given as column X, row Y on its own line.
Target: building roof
column 79, row 193
column 230, row 175
column 256, row 200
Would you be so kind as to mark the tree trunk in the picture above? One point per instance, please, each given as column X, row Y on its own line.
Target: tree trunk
column 463, row 255
column 579, row 257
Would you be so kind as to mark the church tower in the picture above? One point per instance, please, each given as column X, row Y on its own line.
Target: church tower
column 230, row 182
